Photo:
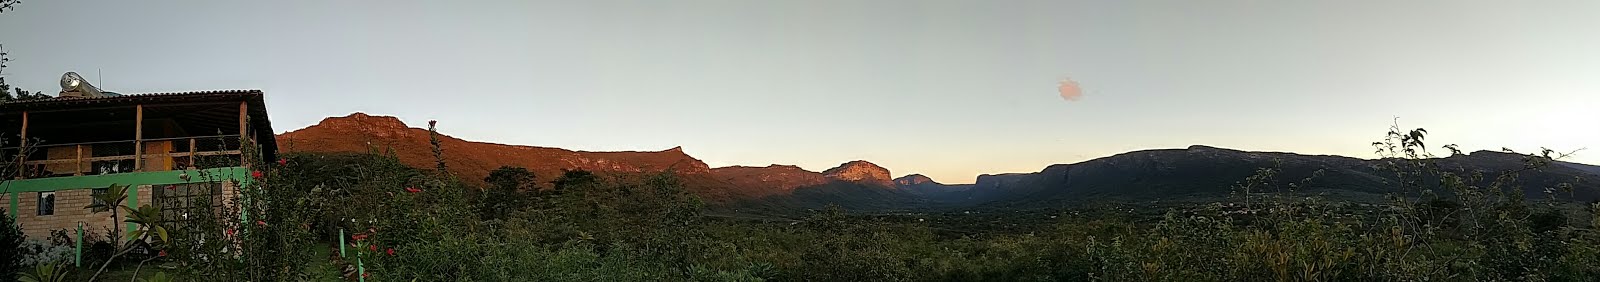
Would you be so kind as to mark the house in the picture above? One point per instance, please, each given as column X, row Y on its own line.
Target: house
column 169, row 148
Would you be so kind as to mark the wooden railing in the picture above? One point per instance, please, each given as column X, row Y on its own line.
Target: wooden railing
column 106, row 157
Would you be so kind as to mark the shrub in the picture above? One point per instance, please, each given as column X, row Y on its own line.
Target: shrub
column 11, row 247
column 36, row 252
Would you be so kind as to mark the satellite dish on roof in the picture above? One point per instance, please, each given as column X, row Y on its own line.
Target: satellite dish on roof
column 73, row 85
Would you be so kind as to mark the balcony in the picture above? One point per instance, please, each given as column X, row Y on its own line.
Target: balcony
column 47, row 160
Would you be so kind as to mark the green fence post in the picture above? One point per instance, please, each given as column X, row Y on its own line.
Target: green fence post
column 78, row 260
column 361, row 269
column 341, row 242
column 132, row 203
column 14, row 212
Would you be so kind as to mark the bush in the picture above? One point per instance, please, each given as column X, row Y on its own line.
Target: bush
column 36, row 252
column 11, row 247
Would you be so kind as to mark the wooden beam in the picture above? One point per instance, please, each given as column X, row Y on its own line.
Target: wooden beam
column 244, row 117
column 22, row 148
column 78, row 169
column 191, row 154
column 138, row 137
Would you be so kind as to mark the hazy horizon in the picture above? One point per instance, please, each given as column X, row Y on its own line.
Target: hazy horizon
column 946, row 89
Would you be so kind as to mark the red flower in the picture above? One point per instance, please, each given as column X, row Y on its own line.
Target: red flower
column 359, row 237
column 366, row 275
column 372, row 247
column 261, row 223
column 162, row 254
column 413, row 190
column 256, row 174
column 283, row 161
column 390, row 251
column 229, row 231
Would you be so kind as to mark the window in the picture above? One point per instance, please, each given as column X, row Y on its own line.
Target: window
column 182, row 204
column 47, row 203
column 95, row 194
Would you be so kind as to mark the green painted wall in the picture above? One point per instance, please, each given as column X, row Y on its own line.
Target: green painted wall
column 130, row 178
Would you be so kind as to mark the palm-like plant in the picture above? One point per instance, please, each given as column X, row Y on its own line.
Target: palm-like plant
column 49, row 272
column 148, row 218
column 109, row 201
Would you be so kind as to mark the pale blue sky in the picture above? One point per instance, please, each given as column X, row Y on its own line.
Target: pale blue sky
column 950, row 89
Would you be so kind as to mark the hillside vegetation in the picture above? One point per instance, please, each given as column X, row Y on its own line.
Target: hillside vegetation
column 402, row 223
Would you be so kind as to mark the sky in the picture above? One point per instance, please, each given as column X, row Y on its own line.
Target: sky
column 948, row 89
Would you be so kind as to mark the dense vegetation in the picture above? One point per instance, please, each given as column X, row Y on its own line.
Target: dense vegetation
column 401, row 223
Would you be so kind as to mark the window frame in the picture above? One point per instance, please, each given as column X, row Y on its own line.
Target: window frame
column 45, row 204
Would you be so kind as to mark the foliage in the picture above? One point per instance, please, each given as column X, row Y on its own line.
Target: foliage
column 405, row 224
column 509, row 189
column 12, row 250
column 49, row 272
column 259, row 236
column 621, row 227
column 36, row 252
column 110, row 201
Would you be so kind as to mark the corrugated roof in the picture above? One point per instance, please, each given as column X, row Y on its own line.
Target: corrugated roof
column 132, row 99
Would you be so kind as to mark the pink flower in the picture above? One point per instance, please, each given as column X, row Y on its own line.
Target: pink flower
column 162, row 254
column 391, row 252
column 256, row 174
column 229, row 231
column 372, row 247
column 261, row 223
column 413, row 190
column 283, row 161
column 359, row 237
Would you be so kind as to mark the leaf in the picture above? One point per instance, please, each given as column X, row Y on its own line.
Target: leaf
column 163, row 232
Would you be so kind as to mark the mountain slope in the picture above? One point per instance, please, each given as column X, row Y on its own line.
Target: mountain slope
column 1201, row 172
column 472, row 161
column 856, row 183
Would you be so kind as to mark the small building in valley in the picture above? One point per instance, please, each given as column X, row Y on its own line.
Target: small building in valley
column 168, row 148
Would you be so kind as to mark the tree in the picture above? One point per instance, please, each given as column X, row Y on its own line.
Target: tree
column 6, row 94
column 109, row 201
column 7, row 5
column 508, row 190
column 510, row 178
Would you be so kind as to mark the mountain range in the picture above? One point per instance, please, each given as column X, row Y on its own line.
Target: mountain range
column 1196, row 172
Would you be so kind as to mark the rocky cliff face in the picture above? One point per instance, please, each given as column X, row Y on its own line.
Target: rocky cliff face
column 768, row 180
column 914, row 179
column 861, row 172
column 472, row 161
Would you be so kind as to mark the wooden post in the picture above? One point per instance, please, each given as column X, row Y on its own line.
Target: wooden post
column 78, row 169
column 244, row 117
column 138, row 137
column 191, row 154
column 22, row 149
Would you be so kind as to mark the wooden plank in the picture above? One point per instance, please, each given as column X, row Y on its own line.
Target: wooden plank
column 138, row 136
